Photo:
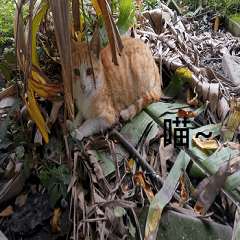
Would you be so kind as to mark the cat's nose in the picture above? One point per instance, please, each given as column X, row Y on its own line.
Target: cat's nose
column 82, row 86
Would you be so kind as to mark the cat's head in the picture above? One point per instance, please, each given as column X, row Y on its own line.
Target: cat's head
column 83, row 69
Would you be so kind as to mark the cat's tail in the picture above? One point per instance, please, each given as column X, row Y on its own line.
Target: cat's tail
column 150, row 96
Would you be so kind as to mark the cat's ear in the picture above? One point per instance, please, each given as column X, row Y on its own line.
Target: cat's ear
column 73, row 46
column 95, row 44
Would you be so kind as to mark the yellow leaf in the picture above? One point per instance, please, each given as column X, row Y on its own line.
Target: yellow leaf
column 35, row 113
column 80, row 33
column 72, row 28
column 79, row 37
column 44, row 47
column 205, row 143
column 216, row 24
column 131, row 163
column 182, row 6
column 45, row 90
column 96, row 7
column 44, row 6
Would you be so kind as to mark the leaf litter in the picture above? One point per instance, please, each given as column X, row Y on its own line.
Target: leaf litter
column 114, row 176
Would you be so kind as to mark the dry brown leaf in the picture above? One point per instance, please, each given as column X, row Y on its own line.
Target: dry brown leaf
column 96, row 165
column 182, row 113
column 163, row 159
column 7, row 212
column 76, row 15
column 140, row 178
column 54, row 220
column 208, row 189
column 113, row 34
column 236, row 224
column 192, row 101
column 13, row 187
column 155, row 18
column 21, row 199
column 184, row 194
column 33, row 188
column 60, row 11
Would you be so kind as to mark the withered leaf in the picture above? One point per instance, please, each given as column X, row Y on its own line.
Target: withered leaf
column 7, row 212
column 211, row 188
column 54, row 220
column 140, row 178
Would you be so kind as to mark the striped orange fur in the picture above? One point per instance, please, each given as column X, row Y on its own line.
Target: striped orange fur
column 120, row 90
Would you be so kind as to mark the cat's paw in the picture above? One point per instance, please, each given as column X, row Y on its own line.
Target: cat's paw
column 124, row 115
column 69, row 124
column 77, row 134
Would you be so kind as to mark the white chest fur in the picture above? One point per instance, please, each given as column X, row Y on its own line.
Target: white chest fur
column 83, row 101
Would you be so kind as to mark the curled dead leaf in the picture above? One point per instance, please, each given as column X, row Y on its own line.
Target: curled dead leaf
column 56, row 216
column 192, row 101
column 183, row 113
column 205, row 143
column 140, row 178
column 198, row 209
column 184, row 194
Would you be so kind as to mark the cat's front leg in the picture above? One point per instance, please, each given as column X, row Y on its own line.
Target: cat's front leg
column 89, row 127
column 78, row 119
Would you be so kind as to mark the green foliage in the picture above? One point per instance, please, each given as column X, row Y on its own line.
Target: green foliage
column 120, row 212
column 150, row 5
column 20, row 151
column 4, row 65
column 13, row 140
column 7, row 10
column 126, row 15
column 218, row 8
column 72, row 140
column 235, row 17
column 126, row 11
column 55, row 180
column 54, row 144
column 7, row 13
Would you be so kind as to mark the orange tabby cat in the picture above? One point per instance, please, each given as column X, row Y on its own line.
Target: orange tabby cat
column 120, row 90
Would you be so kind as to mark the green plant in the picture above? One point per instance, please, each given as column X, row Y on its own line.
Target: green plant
column 55, row 180
column 216, row 8
column 72, row 141
column 7, row 59
column 126, row 11
column 235, row 17
column 7, row 12
column 150, row 5
column 13, row 140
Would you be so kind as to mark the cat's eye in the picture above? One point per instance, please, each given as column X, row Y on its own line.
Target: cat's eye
column 89, row 71
column 76, row 72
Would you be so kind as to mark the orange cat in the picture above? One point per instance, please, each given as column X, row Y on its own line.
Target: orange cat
column 120, row 90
